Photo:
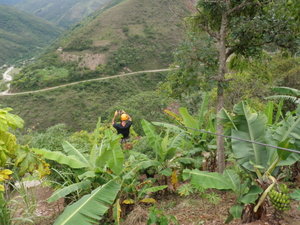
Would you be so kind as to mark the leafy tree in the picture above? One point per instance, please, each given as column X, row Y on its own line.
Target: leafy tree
column 240, row 27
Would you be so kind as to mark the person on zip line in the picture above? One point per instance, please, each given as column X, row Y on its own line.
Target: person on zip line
column 123, row 127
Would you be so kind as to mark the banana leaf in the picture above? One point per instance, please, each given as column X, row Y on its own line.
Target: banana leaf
column 170, row 127
column 71, row 150
column 116, row 159
column 203, row 109
column 251, row 126
column 189, row 121
column 90, row 209
column 153, row 138
column 56, row 156
column 69, row 189
column 207, row 180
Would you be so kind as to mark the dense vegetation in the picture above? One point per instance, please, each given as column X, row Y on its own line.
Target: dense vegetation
column 132, row 35
column 225, row 123
column 61, row 13
column 80, row 105
column 22, row 35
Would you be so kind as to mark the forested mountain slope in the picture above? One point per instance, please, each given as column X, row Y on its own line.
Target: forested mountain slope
column 22, row 35
column 128, row 35
column 62, row 13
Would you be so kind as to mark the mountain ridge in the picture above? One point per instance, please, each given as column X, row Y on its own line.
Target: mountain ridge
column 22, row 35
column 62, row 13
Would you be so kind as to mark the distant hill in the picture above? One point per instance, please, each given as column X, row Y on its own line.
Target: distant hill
column 61, row 12
column 127, row 35
column 22, row 35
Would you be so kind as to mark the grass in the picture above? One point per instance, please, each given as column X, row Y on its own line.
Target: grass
column 79, row 106
column 22, row 35
column 134, row 34
column 62, row 13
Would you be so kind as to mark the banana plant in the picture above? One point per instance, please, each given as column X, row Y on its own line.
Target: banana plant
column 253, row 126
column 198, row 145
column 286, row 93
column 99, row 170
column 245, row 190
column 105, row 159
column 102, row 170
column 166, row 148
column 258, row 161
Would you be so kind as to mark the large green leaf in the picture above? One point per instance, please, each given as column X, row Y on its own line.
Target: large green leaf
column 294, row 157
column 289, row 128
column 189, row 121
column 90, row 209
column 226, row 118
column 110, row 153
column 252, row 195
column 8, row 120
column 153, row 138
column 170, row 127
column 233, row 178
column 71, row 150
column 251, row 126
column 69, row 189
column 236, row 211
column 269, row 111
column 295, row 195
column 203, row 109
column 287, row 91
column 209, row 179
column 116, row 159
column 153, row 189
column 71, row 161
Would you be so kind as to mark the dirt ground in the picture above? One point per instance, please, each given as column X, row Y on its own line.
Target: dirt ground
column 192, row 210
column 35, row 207
column 198, row 211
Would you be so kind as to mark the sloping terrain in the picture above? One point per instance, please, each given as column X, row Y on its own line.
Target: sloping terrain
column 62, row 13
column 79, row 106
column 22, row 35
column 138, row 34
column 128, row 35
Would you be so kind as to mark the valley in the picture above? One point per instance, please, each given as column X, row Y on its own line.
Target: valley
column 161, row 112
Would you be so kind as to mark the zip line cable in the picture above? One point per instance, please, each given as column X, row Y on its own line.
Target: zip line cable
column 241, row 139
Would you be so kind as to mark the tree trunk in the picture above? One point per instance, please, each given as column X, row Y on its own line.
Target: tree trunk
column 220, row 91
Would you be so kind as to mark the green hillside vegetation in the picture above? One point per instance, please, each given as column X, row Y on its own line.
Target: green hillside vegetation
column 22, row 35
column 132, row 35
column 62, row 13
column 80, row 105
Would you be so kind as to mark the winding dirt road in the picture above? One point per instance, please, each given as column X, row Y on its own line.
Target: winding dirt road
column 3, row 94
column 6, row 79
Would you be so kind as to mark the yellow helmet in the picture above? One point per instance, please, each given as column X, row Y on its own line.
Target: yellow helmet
column 124, row 116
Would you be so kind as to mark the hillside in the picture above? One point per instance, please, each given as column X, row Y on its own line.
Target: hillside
column 62, row 13
column 22, row 35
column 129, row 35
column 79, row 106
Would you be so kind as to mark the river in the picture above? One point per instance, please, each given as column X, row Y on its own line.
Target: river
column 7, row 78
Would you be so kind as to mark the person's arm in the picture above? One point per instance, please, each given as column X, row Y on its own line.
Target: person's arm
column 115, row 115
column 129, row 118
